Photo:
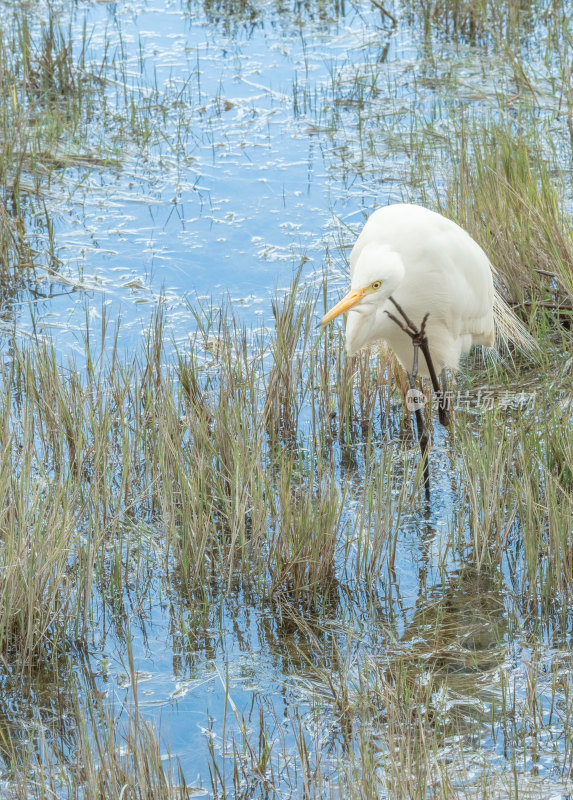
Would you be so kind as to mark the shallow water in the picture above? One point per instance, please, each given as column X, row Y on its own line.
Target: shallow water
column 246, row 148
column 231, row 191
column 252, row 144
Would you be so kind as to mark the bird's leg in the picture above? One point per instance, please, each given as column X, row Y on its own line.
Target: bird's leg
column 423, row 437
column 419, row 339
column 444, row 407
column 441, row 395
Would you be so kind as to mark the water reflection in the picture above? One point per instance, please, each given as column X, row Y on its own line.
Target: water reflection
column 459, row 626
column 40, row 716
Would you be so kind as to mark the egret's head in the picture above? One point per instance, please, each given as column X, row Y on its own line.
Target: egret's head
column 378, row 272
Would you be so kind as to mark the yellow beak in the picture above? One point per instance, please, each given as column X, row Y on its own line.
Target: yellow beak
column 352, row 298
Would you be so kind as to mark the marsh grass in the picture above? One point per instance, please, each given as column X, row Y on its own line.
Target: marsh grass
column 505, row 196
column 484, row 24
column 222, row 466
column 267, row 470
column 83, row 747
column 91, row 454
column 45, row 97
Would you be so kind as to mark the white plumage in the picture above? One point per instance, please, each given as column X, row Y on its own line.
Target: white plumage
column 427, row 263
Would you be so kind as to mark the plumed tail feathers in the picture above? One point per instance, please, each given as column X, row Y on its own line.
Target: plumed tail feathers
column 510, row 329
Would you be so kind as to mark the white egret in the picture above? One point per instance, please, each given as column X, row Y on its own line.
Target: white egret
column 414, row 261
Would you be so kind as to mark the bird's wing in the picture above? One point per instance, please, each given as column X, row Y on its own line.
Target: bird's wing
column 446, row 271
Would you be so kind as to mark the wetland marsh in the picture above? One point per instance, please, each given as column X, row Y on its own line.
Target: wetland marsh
column 219, row 576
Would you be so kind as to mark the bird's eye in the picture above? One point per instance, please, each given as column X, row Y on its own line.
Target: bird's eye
column 376, row 285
